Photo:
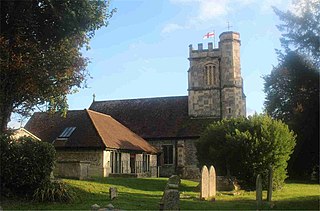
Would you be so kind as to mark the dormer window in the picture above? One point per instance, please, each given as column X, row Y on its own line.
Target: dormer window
column 66, row 133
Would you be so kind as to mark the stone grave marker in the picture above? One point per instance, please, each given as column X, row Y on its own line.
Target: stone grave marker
column 204, row 185
column 171, row 199
column 113, row 193
column 171, row 196
column 259, row 191
column 212, row 183
column 95, row 207
column 173, row 182
column 110, row 207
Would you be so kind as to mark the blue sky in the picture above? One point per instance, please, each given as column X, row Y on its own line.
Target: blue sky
column 144, row 50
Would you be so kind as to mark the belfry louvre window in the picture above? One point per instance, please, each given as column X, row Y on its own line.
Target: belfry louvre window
column 167, row 154
column 210, row 74
column 67, row 132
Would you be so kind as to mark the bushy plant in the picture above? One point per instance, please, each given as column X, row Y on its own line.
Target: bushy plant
column 53, row 191
column 246, row 147
column 25, row 164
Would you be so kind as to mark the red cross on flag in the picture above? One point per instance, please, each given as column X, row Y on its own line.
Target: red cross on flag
column 208, row 35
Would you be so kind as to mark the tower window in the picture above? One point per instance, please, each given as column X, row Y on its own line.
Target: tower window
column 210, row 74
column 229, row 110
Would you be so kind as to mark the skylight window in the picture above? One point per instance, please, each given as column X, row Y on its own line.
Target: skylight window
column 67, row 132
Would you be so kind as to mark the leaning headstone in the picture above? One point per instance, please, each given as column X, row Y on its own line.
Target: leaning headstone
column 110, row 207
column 270, row 178
column 95, row 207
column 212, row 183
column 113, row 193
column 204, row 192
column 171, row 196
column 259, row 191
column 173, row 182
column 171, row 199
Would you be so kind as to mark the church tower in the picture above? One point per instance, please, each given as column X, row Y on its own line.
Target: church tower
column 215, row 87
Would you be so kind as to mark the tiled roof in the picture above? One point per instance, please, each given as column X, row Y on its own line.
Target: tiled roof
column 153, row 118
column 92, row 130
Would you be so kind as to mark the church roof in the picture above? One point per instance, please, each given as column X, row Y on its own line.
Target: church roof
column 155, row 118
column 86, row 129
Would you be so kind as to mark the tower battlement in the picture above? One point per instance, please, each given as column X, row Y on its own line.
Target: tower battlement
column 201, row 52
column 215, row 84
column 200, row 47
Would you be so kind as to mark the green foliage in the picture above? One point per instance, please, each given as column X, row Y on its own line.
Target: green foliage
column 244, row 148
column 25, row 164
column 292, row 87
column 300, row 29
column 53, row 191
column 40, row 43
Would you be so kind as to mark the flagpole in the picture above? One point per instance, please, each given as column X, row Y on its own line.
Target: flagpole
column 214, row 39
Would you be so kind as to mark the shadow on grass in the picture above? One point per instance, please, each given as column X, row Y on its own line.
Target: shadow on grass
column 298, row 203
column 306, row 182
column 91, row 192
column 142, row 184
column 84, row 201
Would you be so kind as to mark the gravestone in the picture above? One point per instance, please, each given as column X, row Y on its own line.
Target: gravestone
column 113, row 193
column 173, row 182
column 95, row 207
column 204, row 187
column 171, row 196
column 110, row 207
column 171, row 199
column 259, row 191
column 212, row 183
column 270, row 178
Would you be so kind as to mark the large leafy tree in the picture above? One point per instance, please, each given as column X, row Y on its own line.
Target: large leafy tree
column 40, row 57
column 245, row 147
column 292, row 88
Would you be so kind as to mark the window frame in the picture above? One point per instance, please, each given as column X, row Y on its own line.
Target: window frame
column 168, row 149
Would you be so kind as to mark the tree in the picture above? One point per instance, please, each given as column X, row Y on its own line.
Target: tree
column 40, row 43
column 292, row 95
column 292, row 88
column 245, row 147
column 301, row 29
column 25, row 164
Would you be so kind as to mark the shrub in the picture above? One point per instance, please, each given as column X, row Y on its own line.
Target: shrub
column 25, row 164
column 244, row 148
column 53, row 191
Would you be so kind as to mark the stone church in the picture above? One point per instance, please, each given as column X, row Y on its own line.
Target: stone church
column 173, row 124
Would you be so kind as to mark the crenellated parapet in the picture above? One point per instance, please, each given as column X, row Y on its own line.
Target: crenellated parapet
column 201, row 52
column 215, row 84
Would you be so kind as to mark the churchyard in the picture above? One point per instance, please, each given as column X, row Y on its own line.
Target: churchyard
column 146, row 193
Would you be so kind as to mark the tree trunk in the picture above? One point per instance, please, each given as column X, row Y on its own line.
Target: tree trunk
column 5, row 113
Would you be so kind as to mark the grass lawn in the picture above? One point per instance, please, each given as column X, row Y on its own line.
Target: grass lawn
column 145, row 194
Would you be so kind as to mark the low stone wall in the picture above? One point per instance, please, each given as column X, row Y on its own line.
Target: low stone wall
column 72, row 169
column 95, row 157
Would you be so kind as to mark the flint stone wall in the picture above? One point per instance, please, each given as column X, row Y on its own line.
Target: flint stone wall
column 95, row 157
column 72, row 169
column 184, row 154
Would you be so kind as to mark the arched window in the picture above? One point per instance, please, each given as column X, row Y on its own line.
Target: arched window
column 210, row 74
